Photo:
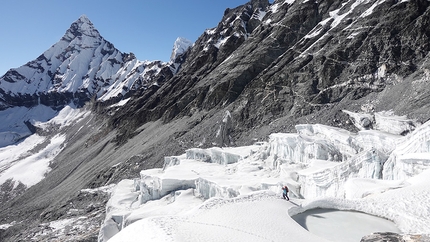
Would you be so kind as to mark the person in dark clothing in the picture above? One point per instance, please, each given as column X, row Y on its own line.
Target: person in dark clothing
column 285, row 193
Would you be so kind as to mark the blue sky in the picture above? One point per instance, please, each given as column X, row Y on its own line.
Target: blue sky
column 148, row 28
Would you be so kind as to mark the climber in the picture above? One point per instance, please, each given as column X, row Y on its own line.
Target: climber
column 285, row 193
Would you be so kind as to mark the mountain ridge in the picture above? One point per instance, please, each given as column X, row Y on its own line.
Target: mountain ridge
column 291, row 30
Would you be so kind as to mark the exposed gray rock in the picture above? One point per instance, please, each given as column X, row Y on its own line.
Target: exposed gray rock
column 10, row 190
column 301, row 64
column 224, row 131
column 384, row 121
column 393, row 237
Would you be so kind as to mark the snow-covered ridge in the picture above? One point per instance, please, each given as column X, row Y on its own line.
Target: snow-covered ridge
column 322, row 165
column 82, row 63
column 179, row 47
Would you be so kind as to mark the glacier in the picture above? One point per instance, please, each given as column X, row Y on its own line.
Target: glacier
column 205, row 194
column 323, row 166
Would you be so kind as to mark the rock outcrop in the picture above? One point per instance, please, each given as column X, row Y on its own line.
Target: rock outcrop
column 393, row 237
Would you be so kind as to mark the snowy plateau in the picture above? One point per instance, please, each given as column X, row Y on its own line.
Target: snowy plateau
column 96, row 145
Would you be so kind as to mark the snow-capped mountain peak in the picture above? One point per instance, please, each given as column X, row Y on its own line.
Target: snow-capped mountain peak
column 78, row 67
column 181, row 45
column 82, row 26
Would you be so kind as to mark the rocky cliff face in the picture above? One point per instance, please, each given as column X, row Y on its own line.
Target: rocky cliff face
column 342, row 56
column 299, row 61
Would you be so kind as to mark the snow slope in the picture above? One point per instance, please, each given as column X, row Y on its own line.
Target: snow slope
column 13, row 127
column 28, row 161
column 260, row 217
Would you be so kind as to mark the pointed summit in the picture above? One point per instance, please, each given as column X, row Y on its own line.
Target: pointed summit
column 179, row 47
column 84, row 18
column 82, row 26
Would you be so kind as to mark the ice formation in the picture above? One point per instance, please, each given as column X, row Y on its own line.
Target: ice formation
column 316, row 162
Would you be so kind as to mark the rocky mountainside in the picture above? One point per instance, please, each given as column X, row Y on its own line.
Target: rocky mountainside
column 304, row 61
column 263, row 69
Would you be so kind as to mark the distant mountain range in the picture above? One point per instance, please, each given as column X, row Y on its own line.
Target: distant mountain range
column 81, row 66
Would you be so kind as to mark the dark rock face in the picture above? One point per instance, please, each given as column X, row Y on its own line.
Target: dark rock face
column 10, row 190
column 341, row 64
column 197, row 84
column 302, row 62
column 383, row 237
column 393, row 237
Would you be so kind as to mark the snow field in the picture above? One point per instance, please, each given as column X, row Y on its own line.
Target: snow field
column 13, row 128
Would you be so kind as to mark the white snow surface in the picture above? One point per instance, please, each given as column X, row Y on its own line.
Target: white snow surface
column 120, row 103
column 28, row 160
column 32, row 169
column 13, row 128
column 234, row 194
column 5, row 226
column 274, row 8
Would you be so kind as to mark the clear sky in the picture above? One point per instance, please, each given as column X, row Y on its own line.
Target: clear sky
column 148, row 28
